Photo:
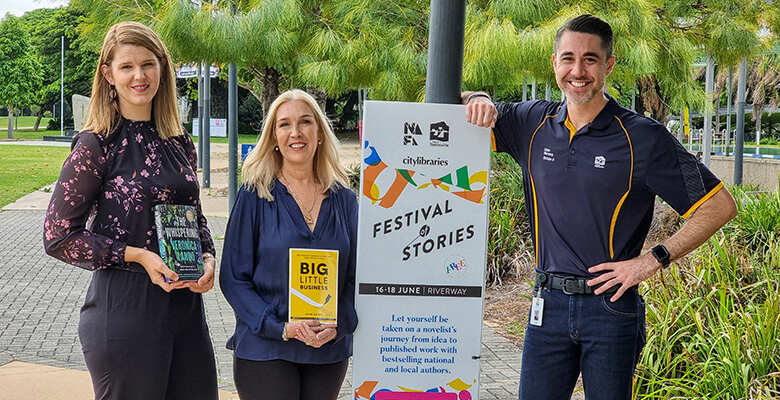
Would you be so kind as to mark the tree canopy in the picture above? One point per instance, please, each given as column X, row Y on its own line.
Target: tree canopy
column 341, row 45
column 20, row 72
column 46, row 27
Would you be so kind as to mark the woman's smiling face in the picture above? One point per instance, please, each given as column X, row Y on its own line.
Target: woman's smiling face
column 135, row 72
column 297, row 132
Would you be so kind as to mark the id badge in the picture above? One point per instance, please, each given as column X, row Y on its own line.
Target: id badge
column 537, row 311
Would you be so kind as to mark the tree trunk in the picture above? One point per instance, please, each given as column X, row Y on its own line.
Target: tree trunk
column 318, row 95
column 11, row 121
column 651, row 100
column 270, row 79
column 348, row 111
column 38, row 121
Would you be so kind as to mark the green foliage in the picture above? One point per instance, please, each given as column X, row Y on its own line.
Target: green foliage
column 509, row 238
column 714, row 323
column 20, row 72
column 353, row 173
column 515, row 327
column 757, row 223
column 54, row 124
column 46, row 27
column 492, row 48
column 340, row 45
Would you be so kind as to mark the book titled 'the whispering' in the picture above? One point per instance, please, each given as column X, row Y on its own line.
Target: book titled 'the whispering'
column 179, row 239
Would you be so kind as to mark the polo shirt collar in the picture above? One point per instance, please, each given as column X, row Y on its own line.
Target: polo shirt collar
column 602, row 121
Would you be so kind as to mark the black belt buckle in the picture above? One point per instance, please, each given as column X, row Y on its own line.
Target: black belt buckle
column 570, row 290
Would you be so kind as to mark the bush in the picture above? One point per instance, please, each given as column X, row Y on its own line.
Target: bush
column 758, row 221
column 510, row 248
column 54, row 124
column 713, row 322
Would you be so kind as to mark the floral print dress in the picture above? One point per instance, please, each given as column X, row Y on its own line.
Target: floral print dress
column 105, row 196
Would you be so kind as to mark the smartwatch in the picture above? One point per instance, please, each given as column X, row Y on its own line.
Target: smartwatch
column 661, row 254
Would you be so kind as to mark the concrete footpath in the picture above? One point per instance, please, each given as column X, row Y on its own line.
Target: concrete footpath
column 40, row 297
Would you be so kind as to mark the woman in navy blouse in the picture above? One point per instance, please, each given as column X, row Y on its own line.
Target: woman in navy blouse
column 294, row 196
column 142, row 337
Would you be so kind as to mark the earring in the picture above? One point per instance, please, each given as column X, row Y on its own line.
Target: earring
column 276, row 148
column 112, row 92
column 320, row 141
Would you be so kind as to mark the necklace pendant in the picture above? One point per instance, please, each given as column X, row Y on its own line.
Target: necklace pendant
column 309, row 220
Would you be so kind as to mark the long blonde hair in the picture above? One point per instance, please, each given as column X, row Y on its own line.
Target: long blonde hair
column 263, row 163
column 103, row 113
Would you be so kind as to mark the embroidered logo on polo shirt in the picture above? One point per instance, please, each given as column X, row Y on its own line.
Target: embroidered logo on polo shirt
column 599, row 162
column 548, row 155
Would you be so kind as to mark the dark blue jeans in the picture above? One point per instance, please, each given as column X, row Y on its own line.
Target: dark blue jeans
column 583, row 333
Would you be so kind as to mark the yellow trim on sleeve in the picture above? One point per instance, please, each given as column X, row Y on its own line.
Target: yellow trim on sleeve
column 625, row 195
column 702, row 200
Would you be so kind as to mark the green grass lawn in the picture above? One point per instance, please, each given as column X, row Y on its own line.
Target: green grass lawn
column 28, row 134
column 26, row 122
column 23, row 122
column 25, row 169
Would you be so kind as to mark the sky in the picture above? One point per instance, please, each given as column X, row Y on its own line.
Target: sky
column 19, row 7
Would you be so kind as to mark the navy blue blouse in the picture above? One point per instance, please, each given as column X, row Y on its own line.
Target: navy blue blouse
column 254, row 272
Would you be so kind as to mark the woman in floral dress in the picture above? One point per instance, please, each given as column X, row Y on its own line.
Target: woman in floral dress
column 143, row 336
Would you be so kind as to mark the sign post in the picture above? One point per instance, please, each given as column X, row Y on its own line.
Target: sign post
column 421, row 258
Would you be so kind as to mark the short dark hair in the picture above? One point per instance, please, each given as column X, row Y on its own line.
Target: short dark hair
column 587, row 23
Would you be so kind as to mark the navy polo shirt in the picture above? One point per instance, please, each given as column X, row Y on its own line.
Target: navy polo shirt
column 590, row 196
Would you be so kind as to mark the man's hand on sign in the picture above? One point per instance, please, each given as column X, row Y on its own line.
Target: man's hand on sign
column 481, row 111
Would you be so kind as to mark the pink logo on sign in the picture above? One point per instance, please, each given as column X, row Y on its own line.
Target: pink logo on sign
column 415, row 396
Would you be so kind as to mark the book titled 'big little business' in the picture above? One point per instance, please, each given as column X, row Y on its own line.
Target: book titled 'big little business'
column 179, row 239
column 314, row 282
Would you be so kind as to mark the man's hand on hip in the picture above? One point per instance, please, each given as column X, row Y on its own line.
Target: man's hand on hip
column 625, row 273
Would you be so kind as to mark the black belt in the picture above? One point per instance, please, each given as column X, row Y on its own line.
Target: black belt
column 568, row 284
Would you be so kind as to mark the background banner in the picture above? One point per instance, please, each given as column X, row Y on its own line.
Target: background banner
column 421, row 257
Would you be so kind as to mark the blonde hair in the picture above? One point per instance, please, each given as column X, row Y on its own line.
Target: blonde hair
column 103, row 113
column 263, row 163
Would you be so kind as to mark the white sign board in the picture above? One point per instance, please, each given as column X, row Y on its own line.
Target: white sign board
column 422, row 240
column 218, row 127
column 191, row 71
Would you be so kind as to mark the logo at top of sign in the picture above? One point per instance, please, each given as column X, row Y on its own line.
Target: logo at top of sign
column 455, row 265
column 411, row 130
column 440, row 134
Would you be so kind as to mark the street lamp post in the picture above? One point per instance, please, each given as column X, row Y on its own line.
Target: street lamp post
column 62, row 86
column 445, row 55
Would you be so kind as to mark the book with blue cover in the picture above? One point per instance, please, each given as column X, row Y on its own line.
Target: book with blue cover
column 179, row 240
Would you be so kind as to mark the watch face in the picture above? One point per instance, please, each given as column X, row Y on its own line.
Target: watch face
column 661, row 254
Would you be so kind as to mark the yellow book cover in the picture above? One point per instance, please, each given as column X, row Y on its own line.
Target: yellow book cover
column 314, row 283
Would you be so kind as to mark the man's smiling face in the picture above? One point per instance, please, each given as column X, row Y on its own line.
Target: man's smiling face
column 581, row 66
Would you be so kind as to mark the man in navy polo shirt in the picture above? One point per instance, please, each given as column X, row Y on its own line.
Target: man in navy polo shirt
column 591, row 172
